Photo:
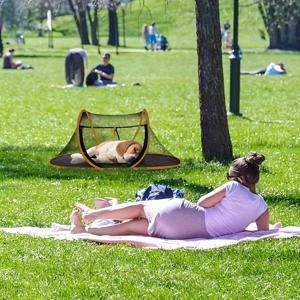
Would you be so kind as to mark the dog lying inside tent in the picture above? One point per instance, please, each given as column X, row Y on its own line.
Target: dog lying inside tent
column 111, row 152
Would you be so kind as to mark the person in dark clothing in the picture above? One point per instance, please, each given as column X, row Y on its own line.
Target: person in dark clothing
column 102, row 74
column 164, row 44
column 8, row 62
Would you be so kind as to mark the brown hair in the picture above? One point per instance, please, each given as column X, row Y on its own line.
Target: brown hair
column 247, row 166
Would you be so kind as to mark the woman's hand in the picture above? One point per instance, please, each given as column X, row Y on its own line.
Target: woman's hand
column 99, row 72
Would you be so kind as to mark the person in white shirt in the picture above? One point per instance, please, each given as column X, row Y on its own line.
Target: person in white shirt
column 272, row 69
column 275, row 69
column 228, row 209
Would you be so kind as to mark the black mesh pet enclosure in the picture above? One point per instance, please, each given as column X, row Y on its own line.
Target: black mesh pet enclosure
column 74, row 66
column 95, row 129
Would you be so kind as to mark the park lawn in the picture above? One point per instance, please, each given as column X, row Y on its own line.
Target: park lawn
column 37, row 119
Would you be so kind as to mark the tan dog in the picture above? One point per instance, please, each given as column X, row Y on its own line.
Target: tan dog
column 111, row 152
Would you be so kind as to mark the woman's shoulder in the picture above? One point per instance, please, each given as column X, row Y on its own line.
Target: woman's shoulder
column 231, row 184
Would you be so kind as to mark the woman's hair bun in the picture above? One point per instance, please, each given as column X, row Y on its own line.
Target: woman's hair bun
column 254, row 158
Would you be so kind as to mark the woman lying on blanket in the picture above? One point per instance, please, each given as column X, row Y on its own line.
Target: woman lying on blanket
column 228, row 209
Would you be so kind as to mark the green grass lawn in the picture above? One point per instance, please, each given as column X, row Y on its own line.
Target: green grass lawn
column 37, row 118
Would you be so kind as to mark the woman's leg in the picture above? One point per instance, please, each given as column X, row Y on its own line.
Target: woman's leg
column 118, row 212
column 133, row 227
column 105, row 202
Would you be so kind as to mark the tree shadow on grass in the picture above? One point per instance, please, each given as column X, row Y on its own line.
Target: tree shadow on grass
column 33, row 162
column 269, row 121
column 286, row 200
column 182, row 183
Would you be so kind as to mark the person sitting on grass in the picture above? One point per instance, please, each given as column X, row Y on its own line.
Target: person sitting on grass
column 105, row 71
column 8, row 62
column 228, row 209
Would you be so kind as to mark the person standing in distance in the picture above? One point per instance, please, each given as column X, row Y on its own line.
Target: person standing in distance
column 152, row 35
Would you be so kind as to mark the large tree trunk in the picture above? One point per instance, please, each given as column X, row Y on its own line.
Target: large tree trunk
column 216, row 143
column 282, row 22
column 286, row 37
column 113, row 38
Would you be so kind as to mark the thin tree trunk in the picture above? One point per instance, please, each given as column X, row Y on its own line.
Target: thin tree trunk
column 84, row 28
column 71, row 4
column 215, row 137
column 80, row 21
column 94, row 25
column 113, row 38
column 50, row 7
column 1, row 25
column 1, row 43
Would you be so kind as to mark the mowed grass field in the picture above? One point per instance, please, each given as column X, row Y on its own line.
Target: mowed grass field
column 38, row 117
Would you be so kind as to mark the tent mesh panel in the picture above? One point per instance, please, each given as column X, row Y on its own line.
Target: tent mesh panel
column 94, row 129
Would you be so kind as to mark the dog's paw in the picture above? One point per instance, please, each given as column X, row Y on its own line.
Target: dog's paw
column 76, row 158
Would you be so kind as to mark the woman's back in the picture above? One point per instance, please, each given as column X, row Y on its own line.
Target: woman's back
column 235, row 211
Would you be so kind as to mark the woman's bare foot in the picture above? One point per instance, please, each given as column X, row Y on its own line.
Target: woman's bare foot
column 76, row 224
column 87, row 213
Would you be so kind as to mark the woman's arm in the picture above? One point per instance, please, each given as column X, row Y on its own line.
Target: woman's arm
column 262, row 221
column 213, row 197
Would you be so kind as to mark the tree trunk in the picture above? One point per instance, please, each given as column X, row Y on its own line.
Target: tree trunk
column 274, row 36
column 94, row 25
column 71, row 4
column 80, row 21
column 215, row 137
column 1, row 43
column 1, row 25
column 84, row 28
column 282, row 21
column 286, row 37
column 113, row 37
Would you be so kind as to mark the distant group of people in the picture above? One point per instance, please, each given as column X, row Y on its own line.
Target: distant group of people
column 152, row 39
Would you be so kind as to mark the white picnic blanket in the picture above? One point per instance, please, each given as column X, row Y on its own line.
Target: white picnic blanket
column 58, row 231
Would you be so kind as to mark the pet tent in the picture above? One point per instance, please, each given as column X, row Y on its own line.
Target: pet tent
column 74, row 66
column 93, row 129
